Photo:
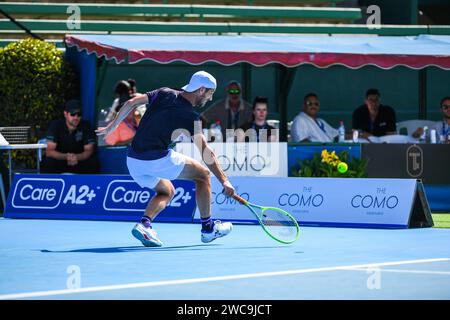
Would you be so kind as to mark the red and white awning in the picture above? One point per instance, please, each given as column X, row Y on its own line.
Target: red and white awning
column 291, row 51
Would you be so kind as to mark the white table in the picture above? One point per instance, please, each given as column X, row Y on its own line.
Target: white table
column 33, row 146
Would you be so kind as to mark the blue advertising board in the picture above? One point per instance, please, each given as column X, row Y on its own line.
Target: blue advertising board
column 92, row 197
column 346, row 202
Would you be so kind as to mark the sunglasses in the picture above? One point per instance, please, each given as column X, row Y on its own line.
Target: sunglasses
column 73, row 114
column 234, row 91
column 445, row 106
column 313, row 104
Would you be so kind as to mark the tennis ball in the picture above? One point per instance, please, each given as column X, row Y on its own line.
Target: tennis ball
column 342, row 167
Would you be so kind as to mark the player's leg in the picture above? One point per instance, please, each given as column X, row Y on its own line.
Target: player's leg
column 143, row 230
column 196, row 172
column 164, row 194
column 142, row 173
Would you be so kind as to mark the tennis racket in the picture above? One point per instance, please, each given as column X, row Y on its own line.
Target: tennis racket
column 277, row 223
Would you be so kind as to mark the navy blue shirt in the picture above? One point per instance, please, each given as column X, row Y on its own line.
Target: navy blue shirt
column 166, row 112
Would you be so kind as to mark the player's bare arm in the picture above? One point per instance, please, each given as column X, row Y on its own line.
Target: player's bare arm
column 211, row 162
column 129, row 106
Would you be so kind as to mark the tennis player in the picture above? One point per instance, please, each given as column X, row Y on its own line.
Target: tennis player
column 152, row 163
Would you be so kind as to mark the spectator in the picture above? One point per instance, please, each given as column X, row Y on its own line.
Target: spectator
column 133, row 88
column 122, row 88
column 126, row 129
column 373, row 118
column 232, row 112
column 307, row 127
column 140, row 110
column 443, row 126
column 260, row 131
column 70, row 144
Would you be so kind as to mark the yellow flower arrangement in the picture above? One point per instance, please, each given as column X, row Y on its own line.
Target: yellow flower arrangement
column 330, row 158
column 326, row 164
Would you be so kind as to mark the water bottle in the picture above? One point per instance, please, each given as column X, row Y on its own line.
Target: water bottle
column 355, row 136
column 341, row 131
column 217, row 131
column 423, row 136
column 433, row 136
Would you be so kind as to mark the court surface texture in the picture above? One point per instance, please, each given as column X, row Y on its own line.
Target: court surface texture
column 63, row 259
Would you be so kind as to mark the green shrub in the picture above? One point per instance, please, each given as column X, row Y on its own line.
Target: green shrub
column 325, row 165
column 35, row 80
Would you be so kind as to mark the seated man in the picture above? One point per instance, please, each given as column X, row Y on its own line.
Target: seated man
column 443, row 126
column 307, row 127
column 260, row 131
column 373, row 118
column 71, row 144
column 230, row 113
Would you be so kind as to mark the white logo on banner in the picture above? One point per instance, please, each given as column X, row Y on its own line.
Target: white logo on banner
column 243, row 159
column 37, row 193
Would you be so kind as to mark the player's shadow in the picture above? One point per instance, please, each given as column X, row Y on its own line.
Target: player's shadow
column 130, row 249
column 196, row 247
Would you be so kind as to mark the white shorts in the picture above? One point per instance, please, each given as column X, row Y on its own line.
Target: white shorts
column 148, row 173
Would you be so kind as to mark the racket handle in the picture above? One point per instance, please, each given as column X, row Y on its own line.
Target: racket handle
column 239, row 199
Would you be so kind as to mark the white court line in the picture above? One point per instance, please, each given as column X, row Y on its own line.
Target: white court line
column 209, row 279
column 443, row 273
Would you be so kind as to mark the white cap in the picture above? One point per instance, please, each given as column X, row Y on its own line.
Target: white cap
column 200, row 79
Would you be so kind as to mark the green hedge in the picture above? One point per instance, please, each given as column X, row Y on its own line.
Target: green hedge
column 35, row 80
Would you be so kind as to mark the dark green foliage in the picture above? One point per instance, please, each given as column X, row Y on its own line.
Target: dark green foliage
column 34, row 83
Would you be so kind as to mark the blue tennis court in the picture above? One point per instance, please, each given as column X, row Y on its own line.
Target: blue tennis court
column 61, row 259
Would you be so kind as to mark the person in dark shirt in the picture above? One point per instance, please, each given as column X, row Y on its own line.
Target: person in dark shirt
column 373, row 118
column 152, row 163
column 260, row 131
column 231, row 112
column 71, row 144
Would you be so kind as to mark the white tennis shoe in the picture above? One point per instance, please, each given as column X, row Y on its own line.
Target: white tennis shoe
column 220, row 229
column 147, row 236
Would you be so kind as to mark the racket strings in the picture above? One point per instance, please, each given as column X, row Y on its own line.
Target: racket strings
column 279, row 225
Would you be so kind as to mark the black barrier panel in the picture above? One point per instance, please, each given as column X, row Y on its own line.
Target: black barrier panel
column 428, row 162
column 421, row 214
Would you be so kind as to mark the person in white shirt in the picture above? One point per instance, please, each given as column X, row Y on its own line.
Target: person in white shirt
column 443, row 126
column 307, row 127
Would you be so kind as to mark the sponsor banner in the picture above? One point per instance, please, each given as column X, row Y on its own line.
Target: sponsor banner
column 244, row 159
column 385, row 203
column 92, row 197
